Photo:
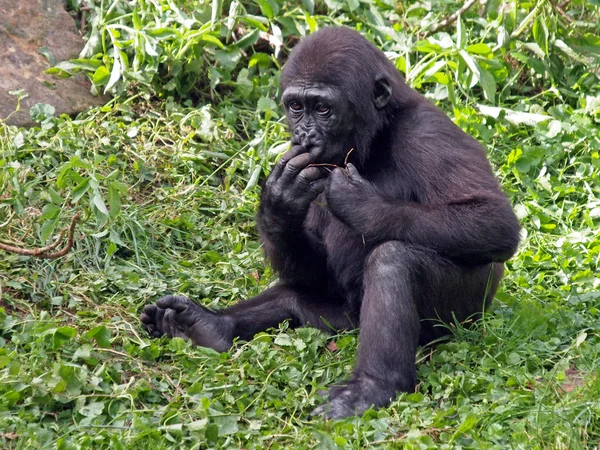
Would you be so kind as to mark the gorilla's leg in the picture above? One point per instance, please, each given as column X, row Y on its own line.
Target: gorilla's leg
column 402, row 285
column 180, row 317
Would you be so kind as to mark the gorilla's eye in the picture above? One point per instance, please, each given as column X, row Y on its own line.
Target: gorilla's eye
column 295, row 106
column 322, row 109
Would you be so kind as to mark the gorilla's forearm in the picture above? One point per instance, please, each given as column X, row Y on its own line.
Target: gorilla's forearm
column 294, row 254
column 477, row 230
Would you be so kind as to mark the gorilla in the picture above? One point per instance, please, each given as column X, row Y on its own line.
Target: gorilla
column 383, row 215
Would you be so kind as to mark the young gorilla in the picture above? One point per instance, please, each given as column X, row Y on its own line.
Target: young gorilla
column 413, row 231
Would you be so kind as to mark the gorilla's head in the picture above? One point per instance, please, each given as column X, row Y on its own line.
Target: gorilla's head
column 338, row 93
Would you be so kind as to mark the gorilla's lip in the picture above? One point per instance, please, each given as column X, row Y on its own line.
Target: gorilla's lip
column 321, row 156
column 316, row 152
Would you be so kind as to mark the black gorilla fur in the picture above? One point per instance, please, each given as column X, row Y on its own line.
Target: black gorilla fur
column 413, row 230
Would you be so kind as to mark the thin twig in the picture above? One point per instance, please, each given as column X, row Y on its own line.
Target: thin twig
column 324, row 165
column 347, row 156
column 561, row 11
column 42, row 252
column 449, row 20
column 335, row 166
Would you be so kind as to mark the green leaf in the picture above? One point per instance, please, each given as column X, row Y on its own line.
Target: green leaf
column 114, row 200
column 227, row 424
column 50, row 211
column 63, row 176
column 41, row 112
column 212, row 433
column 265, row 7
column 80, row 190
column 98, row 202
column 488, row 83
column 115, row 73
column 283, row 340
column 163, row 33
column 247, row 40
column 101, row 75
column 228, row 59
column 309, row 6
column 99, row 334
column 135, row 17
column 62, row 335
column 540, row 33
column 92, row 409
column 262, row 59
column 197, row 425
column 216, row 10
column 479, row 49
column 468, row 424
column 461, row 33
column 213, row 40
column 47, row 229
column 472, row 65
column 55, row 196
column 266, row 104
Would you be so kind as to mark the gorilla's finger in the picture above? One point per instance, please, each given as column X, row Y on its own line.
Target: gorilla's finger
column 338, row 172
column 317, row 186
column 149, row 310
column 175, row 302
column 352, row 171
column 308, row 175
column 337, row 177
column 320, row 410
column 146, row 319
column 295, row 165
column 287, row 156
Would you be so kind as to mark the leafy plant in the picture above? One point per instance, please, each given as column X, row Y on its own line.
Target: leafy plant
column 166, row 178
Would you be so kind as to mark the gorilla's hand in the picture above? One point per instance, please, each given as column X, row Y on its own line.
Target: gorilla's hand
column 290, row 189
column 349, row 195
column 178, row 316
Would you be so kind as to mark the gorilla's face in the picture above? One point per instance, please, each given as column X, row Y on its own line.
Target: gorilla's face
column 321, row 120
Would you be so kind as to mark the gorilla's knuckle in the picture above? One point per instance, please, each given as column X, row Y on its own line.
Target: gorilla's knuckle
column 282, row 163
column 316, row 190
column 276, row 193
column 287, row 198
column 269, row 183
column 303, row 177
column 291, row 168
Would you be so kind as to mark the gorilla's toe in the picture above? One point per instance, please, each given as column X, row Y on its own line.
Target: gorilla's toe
column 150, row 319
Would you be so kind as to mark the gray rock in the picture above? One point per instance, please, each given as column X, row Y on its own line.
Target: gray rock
column 29, row 29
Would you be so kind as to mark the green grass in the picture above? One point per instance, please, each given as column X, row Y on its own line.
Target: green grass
column 166, row 178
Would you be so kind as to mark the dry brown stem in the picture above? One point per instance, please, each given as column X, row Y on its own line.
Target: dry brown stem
column 42, row 252
column 449, row 20
column 561, row 11
column 327, row 165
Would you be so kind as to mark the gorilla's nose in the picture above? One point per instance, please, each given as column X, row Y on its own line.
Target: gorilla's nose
column 301, row 137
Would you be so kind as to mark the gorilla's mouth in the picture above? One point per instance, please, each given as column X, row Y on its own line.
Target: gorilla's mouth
column 328, row 166
column 330, row 155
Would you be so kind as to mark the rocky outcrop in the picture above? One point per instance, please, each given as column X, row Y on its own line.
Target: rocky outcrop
column 31, row 33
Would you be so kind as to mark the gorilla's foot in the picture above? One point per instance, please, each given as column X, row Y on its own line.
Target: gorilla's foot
column 178, row 316
column 354, row 398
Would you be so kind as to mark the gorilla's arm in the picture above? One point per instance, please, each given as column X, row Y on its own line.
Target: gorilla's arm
column 294, row 252
column 476, row 229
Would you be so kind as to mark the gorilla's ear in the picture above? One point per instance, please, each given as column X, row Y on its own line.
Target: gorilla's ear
column 382, row 91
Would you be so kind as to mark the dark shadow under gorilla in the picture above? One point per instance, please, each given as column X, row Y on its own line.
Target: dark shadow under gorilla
column 414, row 230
